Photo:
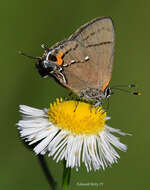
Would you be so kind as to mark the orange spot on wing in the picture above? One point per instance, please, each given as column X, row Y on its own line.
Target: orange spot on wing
column 105, row 85
column 59, row 58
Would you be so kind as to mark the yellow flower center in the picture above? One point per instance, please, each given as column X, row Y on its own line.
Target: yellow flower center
column 77, row 117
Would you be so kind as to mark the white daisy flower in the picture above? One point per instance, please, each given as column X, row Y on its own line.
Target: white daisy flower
column 73, row 131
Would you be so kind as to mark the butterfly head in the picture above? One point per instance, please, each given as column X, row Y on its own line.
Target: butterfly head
column 48, row 64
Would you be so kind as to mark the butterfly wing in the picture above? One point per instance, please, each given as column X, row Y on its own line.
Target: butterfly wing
column 88, row 54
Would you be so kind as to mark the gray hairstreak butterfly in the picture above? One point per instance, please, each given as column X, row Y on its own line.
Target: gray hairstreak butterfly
column 83, row 62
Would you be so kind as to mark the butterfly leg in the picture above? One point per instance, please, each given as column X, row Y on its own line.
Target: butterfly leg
column 77, row 103
column 59, row 75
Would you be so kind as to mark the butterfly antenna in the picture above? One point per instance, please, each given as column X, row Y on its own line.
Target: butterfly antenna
column 30, row 57
column 45, row 47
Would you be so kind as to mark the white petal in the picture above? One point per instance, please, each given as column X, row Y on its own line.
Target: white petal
column 95, row 151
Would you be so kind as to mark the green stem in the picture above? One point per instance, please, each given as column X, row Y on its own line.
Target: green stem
column 52, row 183
column 66, row 177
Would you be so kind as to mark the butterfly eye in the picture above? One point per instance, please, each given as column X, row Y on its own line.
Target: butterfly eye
column 52, row 58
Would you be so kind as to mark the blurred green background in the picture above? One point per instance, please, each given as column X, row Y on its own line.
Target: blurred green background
column 25, row 25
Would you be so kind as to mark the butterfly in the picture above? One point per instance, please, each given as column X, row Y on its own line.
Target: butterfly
column 83, row 62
